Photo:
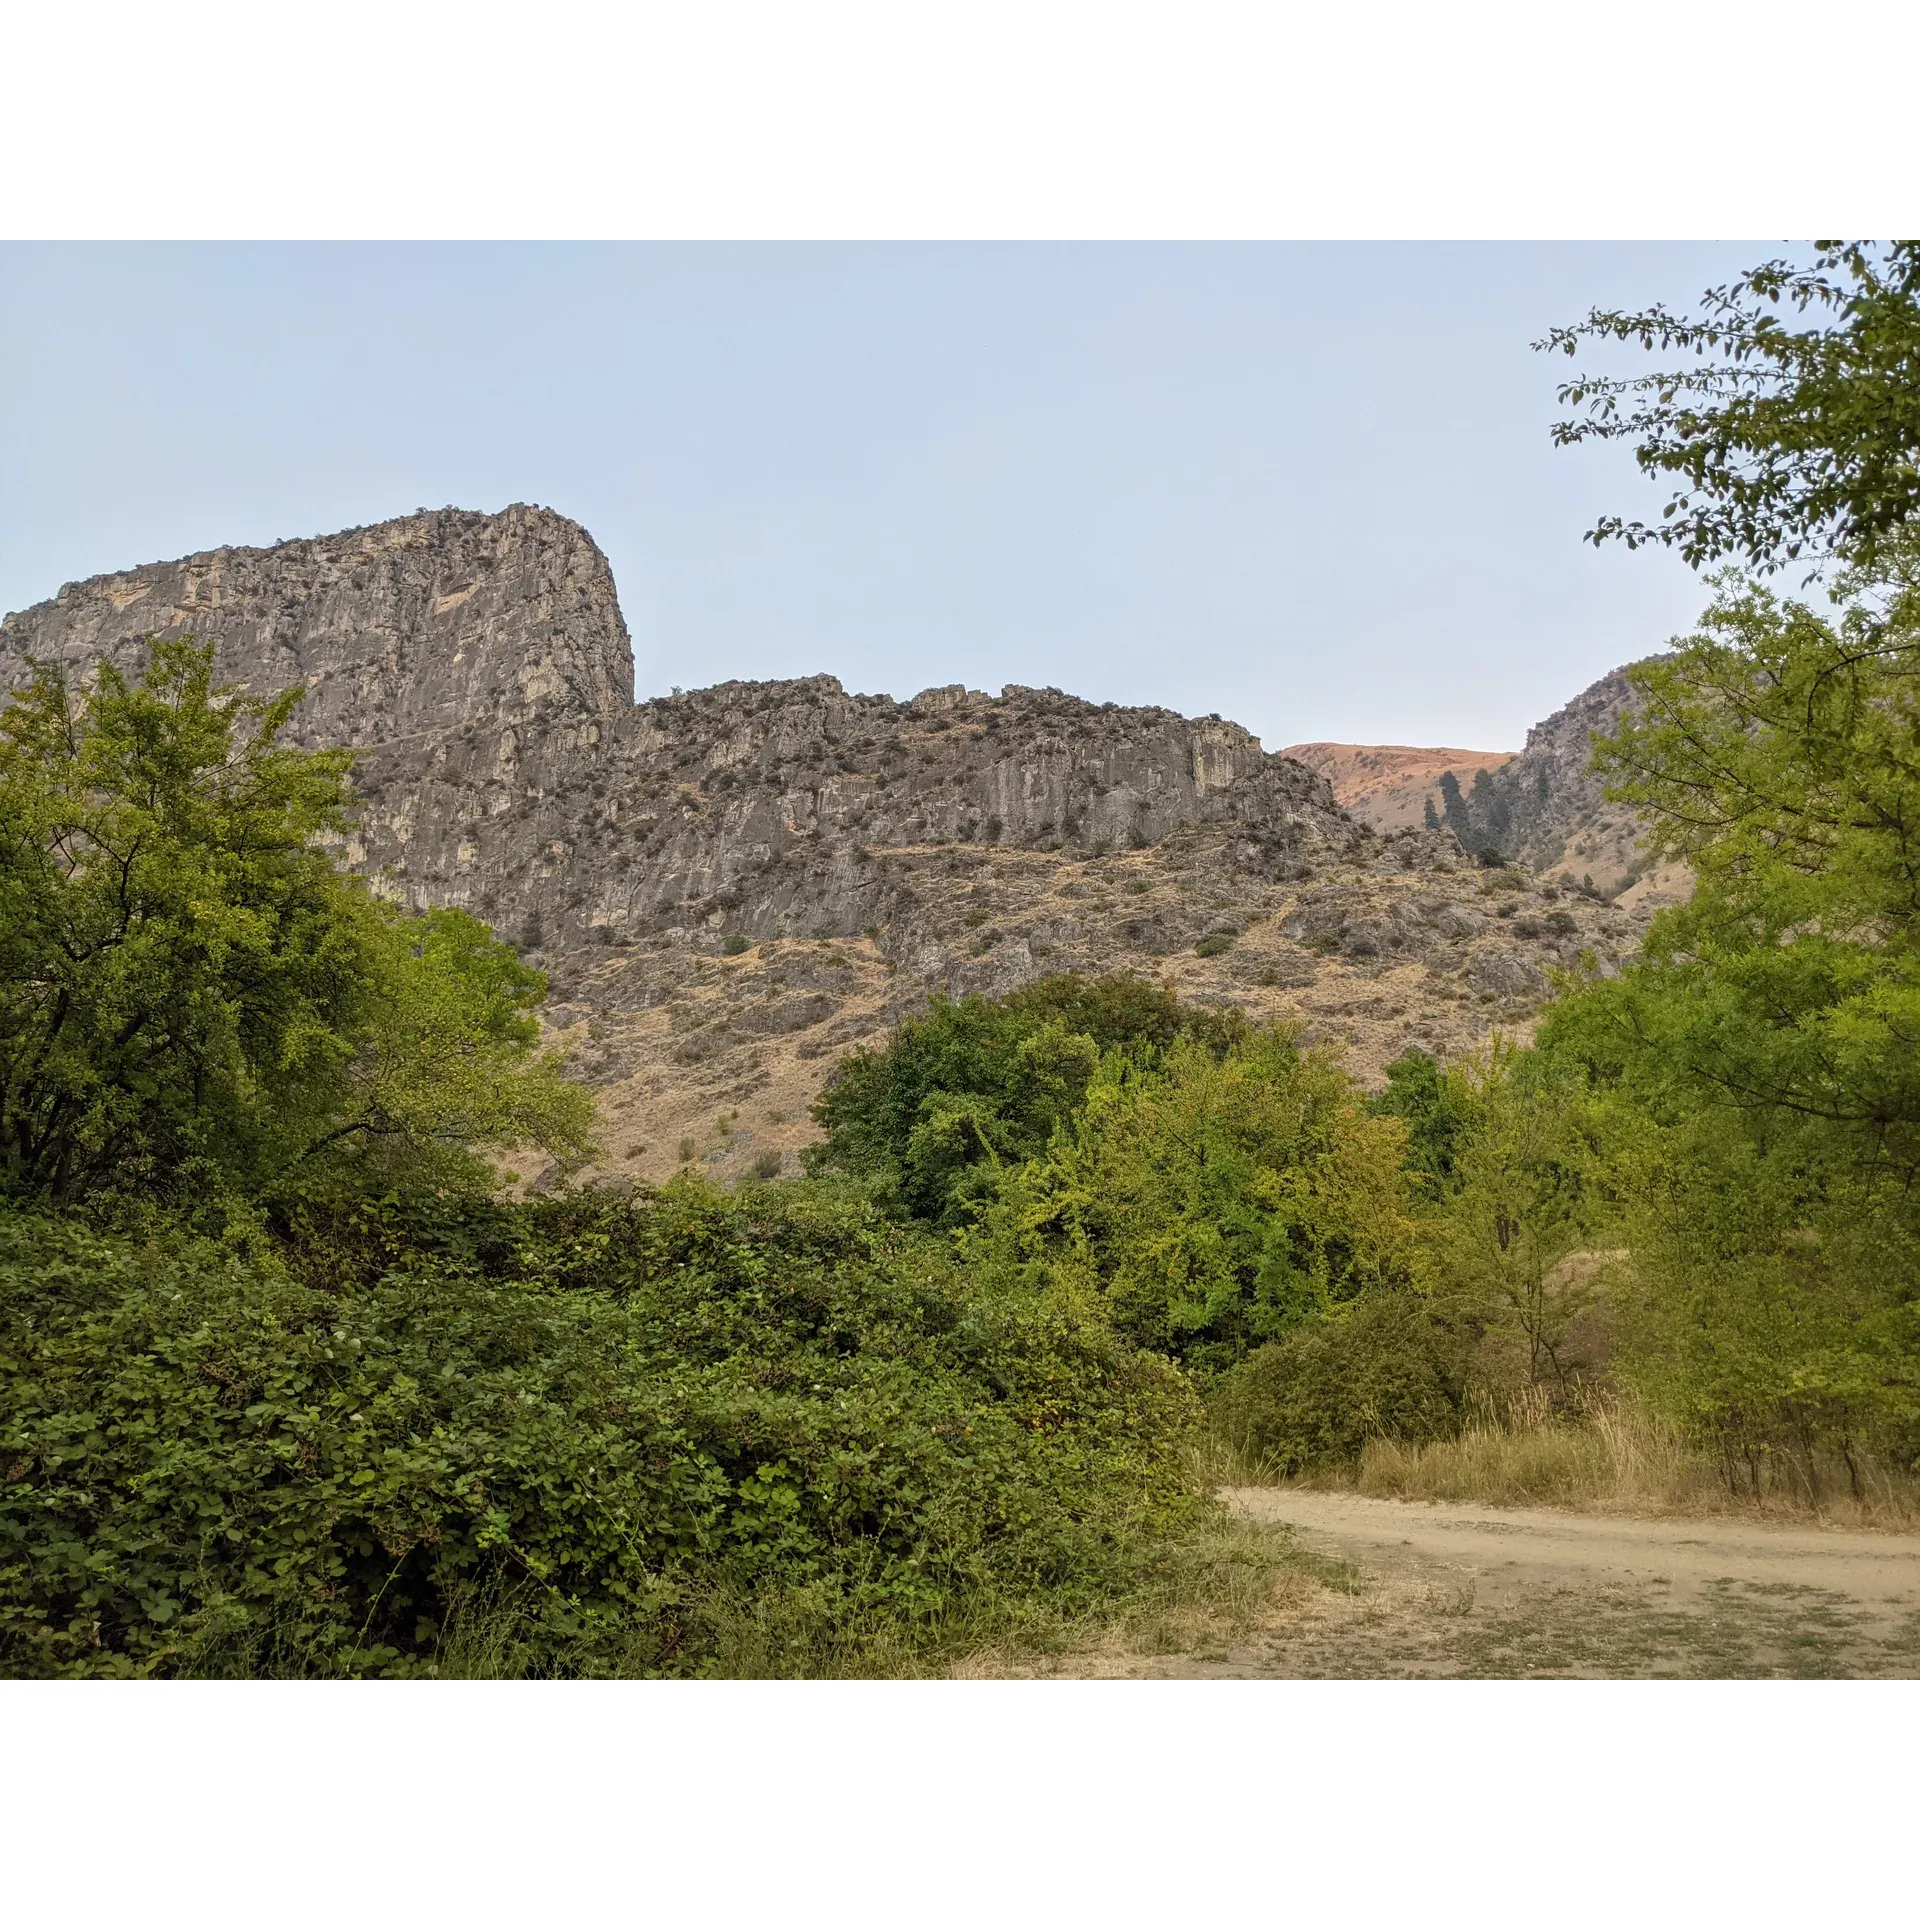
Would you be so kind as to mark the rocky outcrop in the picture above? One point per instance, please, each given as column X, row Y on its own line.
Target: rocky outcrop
column 756, row 809
column 1546, row 798
column 398, row 632
column 729, row 888
column 481, row 667
column 1545, row 808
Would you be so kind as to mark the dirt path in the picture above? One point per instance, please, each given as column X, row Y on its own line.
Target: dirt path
column 1443, row 1589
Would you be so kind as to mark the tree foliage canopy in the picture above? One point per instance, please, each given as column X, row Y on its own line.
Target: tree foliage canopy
column 1789, row 441
column 1761, row 1057
column 192, row 998
column 1211, row 1201
column 974, row 1086
column 1778, row 753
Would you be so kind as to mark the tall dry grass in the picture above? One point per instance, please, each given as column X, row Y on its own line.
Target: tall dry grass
column 1605, row 1452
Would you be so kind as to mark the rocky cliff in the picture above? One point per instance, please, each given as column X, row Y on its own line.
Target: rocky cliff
column 481, row 667
column 731, row 886
column 1545, row 808
column 399, row 632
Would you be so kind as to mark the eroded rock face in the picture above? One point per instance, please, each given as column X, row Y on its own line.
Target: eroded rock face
column 868, row 851
column 756, row 809
column 1544, row 807
column 480, row 665
column 398, row 631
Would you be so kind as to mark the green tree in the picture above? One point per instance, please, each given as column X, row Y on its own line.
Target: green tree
column 1762, row 1056
column 1789, row 441
column 1530, row 1199
column 193, row 1001
column 974, row 1086
column 1765, row 1046
column 1490, row 812
column 1436, row 1108
column 1208, row 1202
column 1779, row 756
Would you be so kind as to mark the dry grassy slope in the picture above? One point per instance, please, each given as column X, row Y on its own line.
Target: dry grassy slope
column 1371, row 954
column 1389, row 787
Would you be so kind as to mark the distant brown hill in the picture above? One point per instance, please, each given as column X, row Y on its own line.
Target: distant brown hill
column 1389, row 787
column 1541, row 807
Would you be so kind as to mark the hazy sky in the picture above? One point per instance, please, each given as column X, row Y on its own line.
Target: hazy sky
column 1308, row 487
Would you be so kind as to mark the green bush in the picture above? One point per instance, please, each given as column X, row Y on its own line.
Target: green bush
column 1210, row 1203
column 971, row 1087
column 607, row 1420
column 734, row 945
column 1315, row 1396
column 1767, row 1304
column 1437, row 1107
column 1211, row 945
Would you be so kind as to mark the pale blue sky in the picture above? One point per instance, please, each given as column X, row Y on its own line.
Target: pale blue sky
column 1308, row 487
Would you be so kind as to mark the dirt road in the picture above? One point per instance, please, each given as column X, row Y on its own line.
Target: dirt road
column 1442, row 1589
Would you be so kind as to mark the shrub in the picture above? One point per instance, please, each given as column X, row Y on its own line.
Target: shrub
column 194, row 1005
column 607, row 1417
column 734, row 945
column 1210, row 945
column 1767, row 1306
column 1384, row 1369
column 1209, row 1202
column 1437, row 1107
column 971, row 1087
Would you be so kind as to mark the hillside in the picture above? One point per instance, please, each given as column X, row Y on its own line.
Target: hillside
column 731, row 887
column 1391, row 787
column 1545, row 808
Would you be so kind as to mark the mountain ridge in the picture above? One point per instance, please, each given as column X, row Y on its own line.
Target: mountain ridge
column 729, row 887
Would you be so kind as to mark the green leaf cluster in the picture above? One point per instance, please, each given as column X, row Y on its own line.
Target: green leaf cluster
column 1788, row 441
column 195, row 1006
column 1209, row 1201
column 618, row 1415
column 972, row 1087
